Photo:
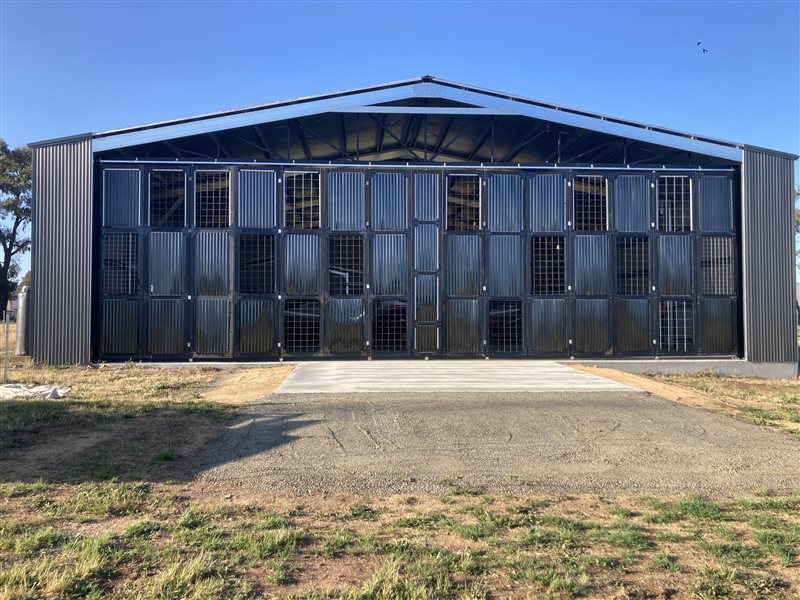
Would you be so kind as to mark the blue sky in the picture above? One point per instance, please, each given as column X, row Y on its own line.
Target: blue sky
column 75, row 67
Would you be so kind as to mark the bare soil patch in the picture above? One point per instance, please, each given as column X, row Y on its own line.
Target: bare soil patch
column 123, row 421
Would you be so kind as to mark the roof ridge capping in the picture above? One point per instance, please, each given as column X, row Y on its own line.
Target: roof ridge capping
column 423, row 86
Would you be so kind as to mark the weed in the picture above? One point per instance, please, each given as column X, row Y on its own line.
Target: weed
column 664, row 562
column 336, row 543
column 166, row 455
column 734, row 553
column 785, row 545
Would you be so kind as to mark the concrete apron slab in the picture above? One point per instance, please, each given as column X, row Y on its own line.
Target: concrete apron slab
column 443, row 376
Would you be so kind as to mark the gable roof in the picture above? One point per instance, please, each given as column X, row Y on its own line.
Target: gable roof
column 455, row 99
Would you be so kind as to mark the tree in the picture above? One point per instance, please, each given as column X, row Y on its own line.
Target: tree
column 15, row 213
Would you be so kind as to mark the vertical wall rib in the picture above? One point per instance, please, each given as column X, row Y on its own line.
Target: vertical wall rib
column 768, row 257
column 61, row 260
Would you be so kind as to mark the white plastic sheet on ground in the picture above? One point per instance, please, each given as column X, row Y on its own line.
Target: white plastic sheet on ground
column 48, row 392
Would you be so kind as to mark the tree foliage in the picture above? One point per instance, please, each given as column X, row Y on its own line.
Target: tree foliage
column 15, row 213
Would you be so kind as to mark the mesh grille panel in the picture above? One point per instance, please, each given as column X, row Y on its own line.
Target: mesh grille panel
column 505, row 326
column 167, row 199
column 346, row 265
column 676, row 326
column 547, row 265
column 120, row 264
column 463, row 202
column 256, row 264
column 301, row 325
column 717, row 266
column 590, row 202
column 674, row 204
column 389, row 331
column 301, row 196
column 212, row 199
column 633, row 266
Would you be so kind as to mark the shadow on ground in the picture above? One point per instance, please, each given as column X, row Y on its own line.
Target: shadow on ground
column 73, row 443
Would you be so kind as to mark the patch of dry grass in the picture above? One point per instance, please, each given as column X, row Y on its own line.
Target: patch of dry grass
column 123, row 421
column 169, row 541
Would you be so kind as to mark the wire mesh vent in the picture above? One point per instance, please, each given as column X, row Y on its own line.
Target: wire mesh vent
column 301, row 200
column 590, row 203
column 167, row 199
column 301, row 325
column 464, row 202
column 717, row 266
column 346, row 270
column 633, row 266
column 212, row 199
column 505, row 326
column 120, row 264
column 256, row 264
column 389, row 330
column 676, row 326
column 547, row 265
column 674, row 204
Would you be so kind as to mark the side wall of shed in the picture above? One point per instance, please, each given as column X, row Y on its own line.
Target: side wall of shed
column 61, row 253
column 770, row 321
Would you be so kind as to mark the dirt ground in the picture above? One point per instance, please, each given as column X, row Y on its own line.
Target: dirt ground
column 96, row 435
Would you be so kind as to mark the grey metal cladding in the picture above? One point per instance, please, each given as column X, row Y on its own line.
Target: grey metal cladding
column 389, row 264
column 346, row 325
column 122, row 192
column 547, row 203
column 505, row 203
column 258, row 326
column 61, row 262
column 462, row 265
column 426, row 248
column 120, row 327
column 675, row 265
column 769, row 269
column 426, row 289
column 211, row 263
column 346, row 201
column 166, row 327
column 592, row 265
column 549, row 326
column 302, row 264
column 591, row 326
column 257, row 199
column 717, row 325
column 463, row 327
column 632, row 325
column 632, row 203
column 389, row 201
column 715, row 201
column 211, row 326
column 167, row 273
column 504, row 268
column 426, row 196
column 426, row 339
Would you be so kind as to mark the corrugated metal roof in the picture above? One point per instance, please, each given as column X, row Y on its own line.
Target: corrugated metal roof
column 414, row 91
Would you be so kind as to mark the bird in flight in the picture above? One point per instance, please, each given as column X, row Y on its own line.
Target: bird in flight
column 705, row 51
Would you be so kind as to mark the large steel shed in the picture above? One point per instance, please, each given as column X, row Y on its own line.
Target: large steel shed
column 421, row 218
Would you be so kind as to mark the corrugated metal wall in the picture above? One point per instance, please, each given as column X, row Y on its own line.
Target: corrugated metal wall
column 192, row 262
column 768, row 257
column 61, row 263
column 505, row 203
column 257, row 199
column 346, row 201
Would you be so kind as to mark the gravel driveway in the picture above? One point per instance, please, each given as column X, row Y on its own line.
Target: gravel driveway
column 609, row 442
